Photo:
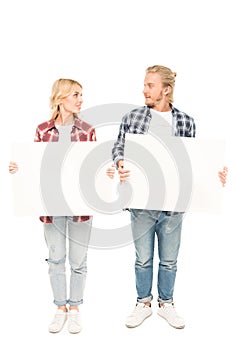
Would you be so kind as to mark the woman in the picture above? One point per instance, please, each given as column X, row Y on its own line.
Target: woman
column 65, row 124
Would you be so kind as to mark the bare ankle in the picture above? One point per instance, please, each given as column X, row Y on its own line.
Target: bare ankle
column 71, row 307
column 63, row 307
column 148, row 303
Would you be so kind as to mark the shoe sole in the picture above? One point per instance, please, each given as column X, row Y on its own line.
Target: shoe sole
column 54, row 332
column 176, row 327
column 74, row 332
column 57, row 331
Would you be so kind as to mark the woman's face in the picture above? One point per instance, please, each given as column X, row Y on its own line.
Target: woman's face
column 72, row 103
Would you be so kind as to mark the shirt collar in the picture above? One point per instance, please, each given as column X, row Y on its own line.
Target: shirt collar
column 77, row 123
column 173, row 109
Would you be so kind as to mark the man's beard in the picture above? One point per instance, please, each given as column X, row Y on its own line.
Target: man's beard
column 153, row 104
column 150, row 104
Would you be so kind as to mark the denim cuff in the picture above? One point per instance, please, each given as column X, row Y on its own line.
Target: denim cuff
column 60, row 303
column 75, row 303
column 168, row 301
column 145, row 300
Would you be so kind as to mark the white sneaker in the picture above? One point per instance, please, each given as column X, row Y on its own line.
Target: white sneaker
column 168, row 312
column 139, row 314
column 74, row 324
column 58, row 322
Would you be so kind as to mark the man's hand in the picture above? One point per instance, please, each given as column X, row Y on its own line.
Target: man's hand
column 223, row 175
column 123, row 173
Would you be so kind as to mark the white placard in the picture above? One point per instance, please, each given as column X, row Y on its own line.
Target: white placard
column 170, row 173
column 50, row 175
column 181, row 174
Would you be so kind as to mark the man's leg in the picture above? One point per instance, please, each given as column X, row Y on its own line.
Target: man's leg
column 143, row 231
column 168, row 229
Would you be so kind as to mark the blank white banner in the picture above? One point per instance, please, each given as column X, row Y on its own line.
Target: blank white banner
column 63, row 179
column 174, row 173
column 170, row 173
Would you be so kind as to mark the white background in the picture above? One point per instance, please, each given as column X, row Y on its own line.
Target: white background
column 107, row 46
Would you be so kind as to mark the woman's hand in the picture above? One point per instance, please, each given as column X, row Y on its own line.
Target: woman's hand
column 13, row 168
column 111, row 172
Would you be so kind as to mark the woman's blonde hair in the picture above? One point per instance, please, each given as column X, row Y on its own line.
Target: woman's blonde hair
column 60, row 89
column 167, row 76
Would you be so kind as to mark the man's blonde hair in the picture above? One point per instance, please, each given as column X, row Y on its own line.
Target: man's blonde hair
column 167, row 76
column 60, row 89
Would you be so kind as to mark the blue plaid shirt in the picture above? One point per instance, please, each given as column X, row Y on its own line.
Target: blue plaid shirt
column 138, row 120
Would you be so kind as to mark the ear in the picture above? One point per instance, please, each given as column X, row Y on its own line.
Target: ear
column 167, row 90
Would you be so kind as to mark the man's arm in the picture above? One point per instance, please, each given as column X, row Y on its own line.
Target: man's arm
column 118, row 148
column 192, row 128
column 118, row 152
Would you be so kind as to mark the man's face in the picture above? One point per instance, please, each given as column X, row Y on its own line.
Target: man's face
column 154, row 91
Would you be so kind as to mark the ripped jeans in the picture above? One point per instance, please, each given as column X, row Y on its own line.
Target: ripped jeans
column 146, row 225
column 78, row 234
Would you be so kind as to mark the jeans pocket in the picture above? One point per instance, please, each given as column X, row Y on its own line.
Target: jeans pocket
column 136, row 212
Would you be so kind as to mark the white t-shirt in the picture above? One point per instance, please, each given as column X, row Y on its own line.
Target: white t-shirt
column 161, row 123
column 64, row 132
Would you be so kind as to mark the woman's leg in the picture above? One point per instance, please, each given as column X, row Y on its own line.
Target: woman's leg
column 55, row 236
column 79, row 236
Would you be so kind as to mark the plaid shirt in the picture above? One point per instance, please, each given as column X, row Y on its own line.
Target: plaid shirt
column 138, row 120
column 81, row 131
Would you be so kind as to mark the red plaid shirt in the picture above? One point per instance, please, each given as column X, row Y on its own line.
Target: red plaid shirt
column 81, row 131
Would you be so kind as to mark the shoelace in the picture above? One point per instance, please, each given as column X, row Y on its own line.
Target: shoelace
column 135, row 311
column 172, row 311
column 58, row 319
column 74, row 317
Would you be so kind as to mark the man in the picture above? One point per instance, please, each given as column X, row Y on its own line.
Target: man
column 147, row 224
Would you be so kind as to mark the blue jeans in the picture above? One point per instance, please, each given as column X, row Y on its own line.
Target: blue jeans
column 146, row 224
column 78, row 237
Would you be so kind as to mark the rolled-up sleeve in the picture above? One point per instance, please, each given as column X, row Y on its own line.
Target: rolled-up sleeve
column 118, row 148
column 193, row 128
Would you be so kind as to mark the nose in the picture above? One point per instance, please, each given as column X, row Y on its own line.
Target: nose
column 144, row 89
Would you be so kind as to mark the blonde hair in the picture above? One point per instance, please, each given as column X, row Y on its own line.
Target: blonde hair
column 60, row 89
column 167, row 76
